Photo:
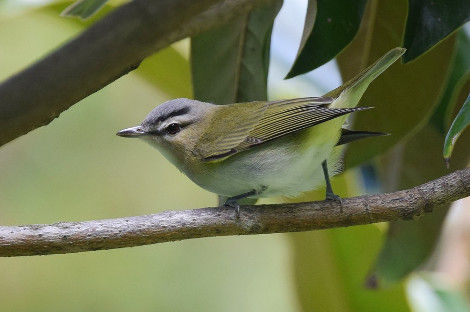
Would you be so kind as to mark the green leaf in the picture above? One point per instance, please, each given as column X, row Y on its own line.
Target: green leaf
column 407, row 246
column 410, row 243
column 460, row 123
column 455, row 88
column 83, row 8
column 403, row 96
column 432, row 293
column 60, row 7
column 330, row 267
column 431, row 21
column 329, row 27
column 230, row 63
column 169, row 71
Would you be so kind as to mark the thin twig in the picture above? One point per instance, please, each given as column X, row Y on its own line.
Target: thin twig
column 70, row 237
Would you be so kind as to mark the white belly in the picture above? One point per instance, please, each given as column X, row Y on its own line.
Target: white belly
column 280, row 168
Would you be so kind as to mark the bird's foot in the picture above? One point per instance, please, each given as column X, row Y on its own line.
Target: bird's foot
column 234, row 204
column 336, row 198
column 233, row 201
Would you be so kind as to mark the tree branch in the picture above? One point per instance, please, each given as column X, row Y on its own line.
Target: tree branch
column 70, row 237
column 101, row 54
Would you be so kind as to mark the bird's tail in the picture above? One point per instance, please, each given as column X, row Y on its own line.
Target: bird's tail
column 349, row 94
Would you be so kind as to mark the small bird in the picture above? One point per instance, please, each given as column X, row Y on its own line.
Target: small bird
column 263, row 148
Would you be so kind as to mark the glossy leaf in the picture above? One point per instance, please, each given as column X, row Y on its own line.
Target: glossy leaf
column 455, row 88
column 83, row 8
column 403, row 96
column 329, row 27
column 330, row 267
column 431, row 21
column 460, row 123
column 433, row 293
column 230, row 63
column 169, row 71
column 410, row 243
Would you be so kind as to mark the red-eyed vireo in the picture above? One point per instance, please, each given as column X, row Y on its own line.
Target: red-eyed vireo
column 259, row 149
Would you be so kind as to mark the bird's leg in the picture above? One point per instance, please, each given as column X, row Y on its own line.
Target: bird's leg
column 233, row 201
column 330, row 195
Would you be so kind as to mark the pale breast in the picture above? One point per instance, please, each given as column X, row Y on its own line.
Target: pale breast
column 285, row 167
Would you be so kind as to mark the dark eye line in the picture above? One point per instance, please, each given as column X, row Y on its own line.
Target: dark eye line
column 164, row 130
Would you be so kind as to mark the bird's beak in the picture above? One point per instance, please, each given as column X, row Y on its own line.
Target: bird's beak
column 132, row 132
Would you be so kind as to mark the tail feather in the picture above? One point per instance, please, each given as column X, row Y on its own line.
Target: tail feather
column 348, row 136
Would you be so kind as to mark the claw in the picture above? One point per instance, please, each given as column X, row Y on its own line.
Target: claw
column 233, row 201
column 336, row 198
column 333, row 196
column 234, row 204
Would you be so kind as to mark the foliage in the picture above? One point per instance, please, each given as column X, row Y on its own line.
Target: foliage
column 326, row 270
column 460, row 123
column 84, row 8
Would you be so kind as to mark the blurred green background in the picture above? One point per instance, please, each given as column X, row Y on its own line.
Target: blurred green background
column 76, row 169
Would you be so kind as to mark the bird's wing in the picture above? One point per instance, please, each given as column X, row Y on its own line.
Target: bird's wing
column 283, row 118
column 228, row 129
column 266, row 121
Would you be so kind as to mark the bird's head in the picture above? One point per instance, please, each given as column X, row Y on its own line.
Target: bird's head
column 174, row 127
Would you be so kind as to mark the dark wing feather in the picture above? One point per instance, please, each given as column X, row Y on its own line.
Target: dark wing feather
column 282, row 119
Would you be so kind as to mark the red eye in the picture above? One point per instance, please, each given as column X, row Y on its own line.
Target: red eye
column 173, row 128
